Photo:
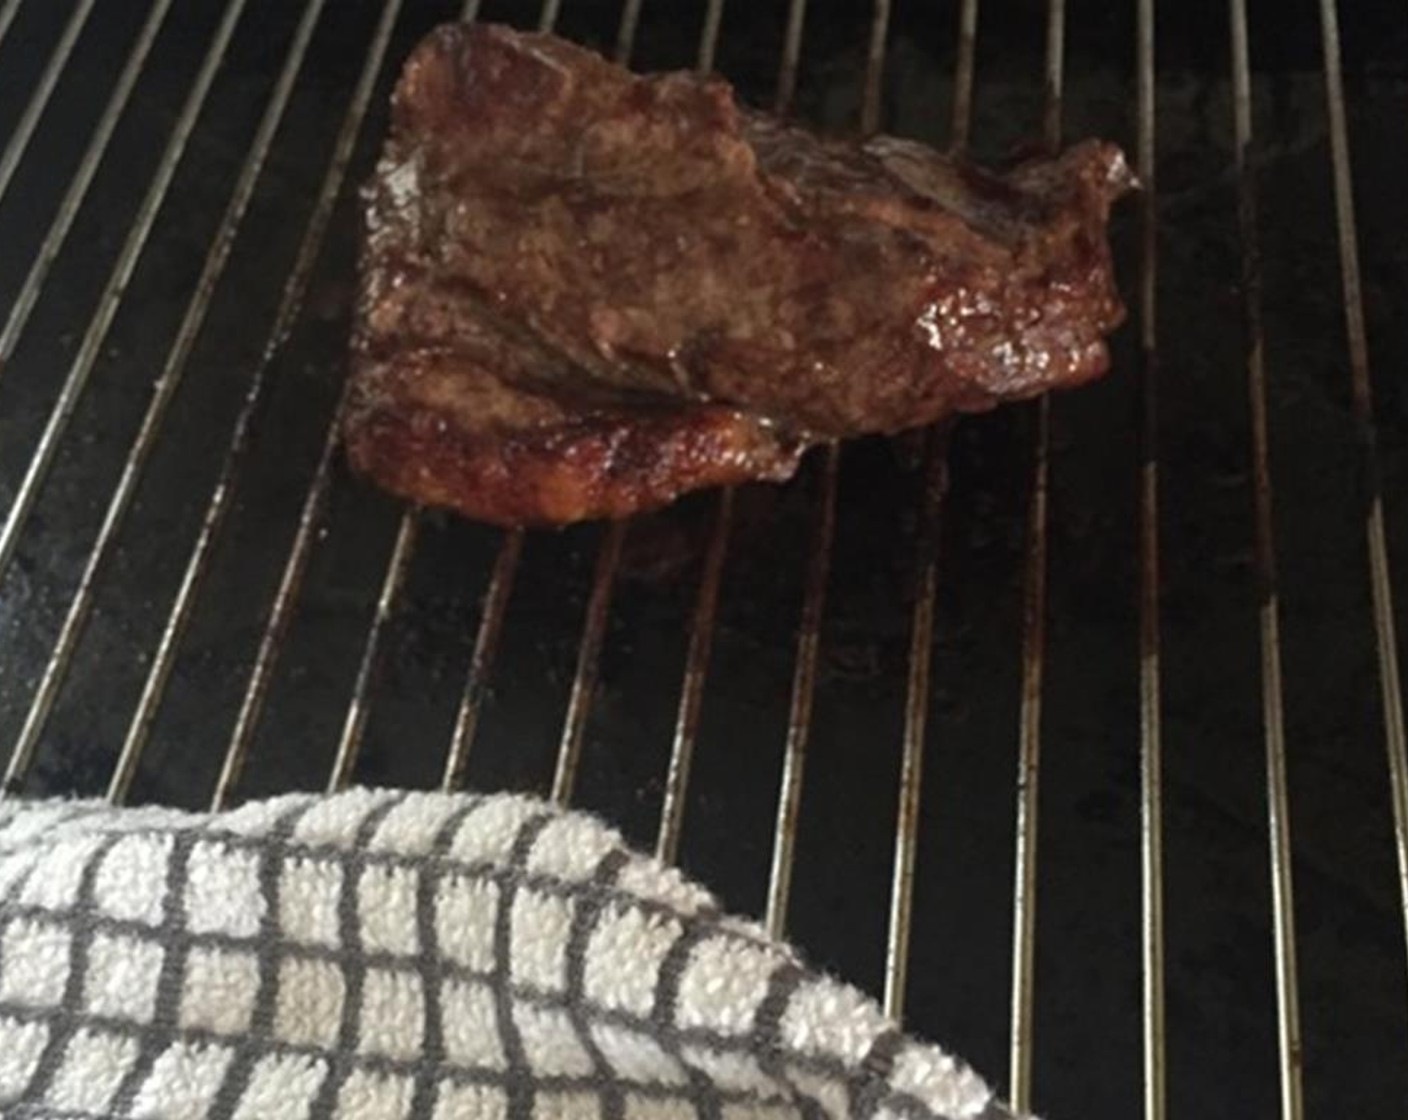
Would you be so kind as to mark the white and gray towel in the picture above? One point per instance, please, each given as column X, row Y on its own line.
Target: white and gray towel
column 414, row 956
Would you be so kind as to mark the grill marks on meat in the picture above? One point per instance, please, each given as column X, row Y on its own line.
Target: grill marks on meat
column 585, row 292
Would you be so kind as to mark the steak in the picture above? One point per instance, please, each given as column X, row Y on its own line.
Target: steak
column 585, row 292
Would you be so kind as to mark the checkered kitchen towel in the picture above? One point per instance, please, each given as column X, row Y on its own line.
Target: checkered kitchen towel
column 387, row 956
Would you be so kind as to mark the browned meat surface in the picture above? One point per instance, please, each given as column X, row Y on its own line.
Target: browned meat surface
column 585, row 292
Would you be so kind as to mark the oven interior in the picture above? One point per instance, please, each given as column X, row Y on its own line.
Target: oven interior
column 1075, row 733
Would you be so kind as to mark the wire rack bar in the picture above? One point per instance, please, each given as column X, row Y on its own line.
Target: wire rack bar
column 77, row 191
column 874, row 68
column 481, row 662
column 608, row 559
column 709, row 36
column 791, row 54
column 7, row 17
column 910, row 786
column 701, row 636
column 115, row 288
column 706, row 610
column 349, row 743
column 696, row 670
column 962, row 124
column 1278, row 806
column 56, row 668
column 799, row 717
column 789, row 799
column 1033, row 656
column 1150, row 702
column 933, row 466
column 1029, row 761
column 916, row 716
column 496, row 599
column 1380, row 570
column 39, row 99
column 626, row 31
column 588, row 659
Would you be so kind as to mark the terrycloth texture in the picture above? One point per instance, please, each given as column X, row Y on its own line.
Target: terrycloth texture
column 387, row 956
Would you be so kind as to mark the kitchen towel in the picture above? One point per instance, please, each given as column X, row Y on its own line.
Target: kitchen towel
column 379, row 955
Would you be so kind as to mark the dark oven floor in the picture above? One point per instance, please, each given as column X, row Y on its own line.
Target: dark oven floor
column 1087, row 1016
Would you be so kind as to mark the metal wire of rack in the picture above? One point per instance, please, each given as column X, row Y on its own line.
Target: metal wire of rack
column 917, row 745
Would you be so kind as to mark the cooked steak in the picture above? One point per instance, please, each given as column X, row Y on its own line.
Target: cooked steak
column 585, row 292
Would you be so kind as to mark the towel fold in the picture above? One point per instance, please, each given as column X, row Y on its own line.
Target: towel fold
column 389, row 955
